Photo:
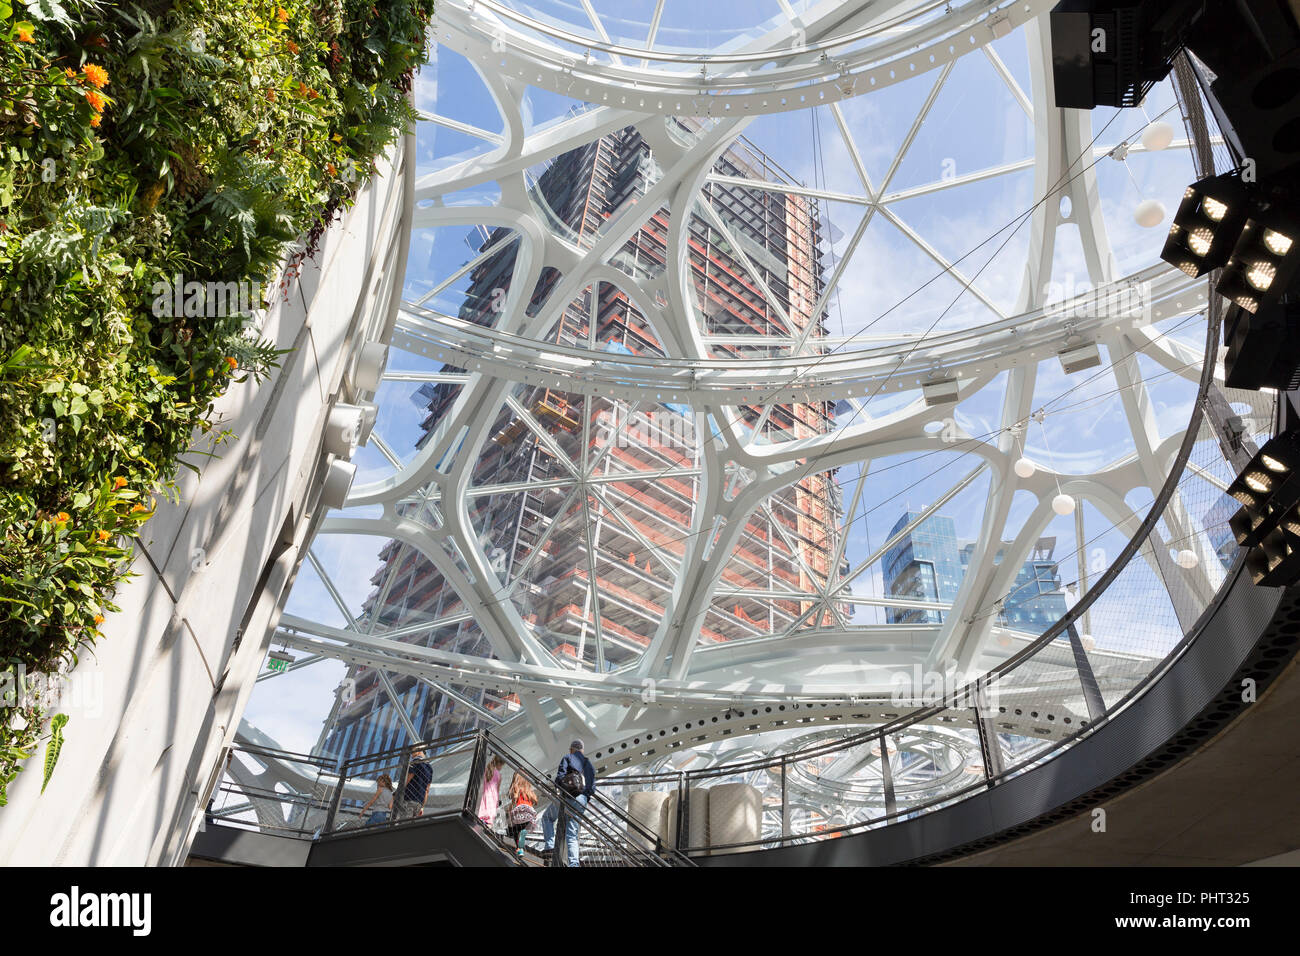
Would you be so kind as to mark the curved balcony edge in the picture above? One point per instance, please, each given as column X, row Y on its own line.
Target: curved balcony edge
column 1248, row 633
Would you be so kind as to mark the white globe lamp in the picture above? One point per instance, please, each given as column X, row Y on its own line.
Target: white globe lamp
column 1149, row 213
column 1157, row 135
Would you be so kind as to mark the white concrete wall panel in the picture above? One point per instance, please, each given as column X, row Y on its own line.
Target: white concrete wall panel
column 165, row 685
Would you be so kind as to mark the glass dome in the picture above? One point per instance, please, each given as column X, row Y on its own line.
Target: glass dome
column 723, row 403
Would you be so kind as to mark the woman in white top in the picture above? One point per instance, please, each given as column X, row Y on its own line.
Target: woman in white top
column 383, row 801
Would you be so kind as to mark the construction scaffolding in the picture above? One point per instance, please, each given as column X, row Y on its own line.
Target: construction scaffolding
column 592, row 568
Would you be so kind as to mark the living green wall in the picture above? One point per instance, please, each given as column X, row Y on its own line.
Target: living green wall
column 211, row 140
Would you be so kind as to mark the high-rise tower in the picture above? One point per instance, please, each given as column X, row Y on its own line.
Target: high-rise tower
column 539, row 532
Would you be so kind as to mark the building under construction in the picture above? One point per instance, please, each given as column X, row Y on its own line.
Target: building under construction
column 548, row 536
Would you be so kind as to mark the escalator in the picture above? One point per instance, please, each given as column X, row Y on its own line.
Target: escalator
column 301, row 811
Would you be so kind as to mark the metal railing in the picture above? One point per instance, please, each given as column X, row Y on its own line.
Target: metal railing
column 316, row 798
column 1029, row 707
column 1063, row 677
column 251, row 793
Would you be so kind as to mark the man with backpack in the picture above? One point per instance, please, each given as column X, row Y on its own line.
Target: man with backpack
column 576, row 778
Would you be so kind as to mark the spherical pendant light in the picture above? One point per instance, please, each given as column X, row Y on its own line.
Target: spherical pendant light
column 1025, row 468
column 1157, row 135
column 1063, row 504
column 1149, row 213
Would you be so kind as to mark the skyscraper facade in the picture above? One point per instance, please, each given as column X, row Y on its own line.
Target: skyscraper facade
column 1036, row 599
column 922, row 566
column 590, row 564
column 928, row 564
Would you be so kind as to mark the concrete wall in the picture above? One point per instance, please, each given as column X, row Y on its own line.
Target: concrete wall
column 166, row 684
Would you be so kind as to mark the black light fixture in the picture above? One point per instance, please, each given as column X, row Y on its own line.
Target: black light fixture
column 1111, row 52
column 1247, row 59
column 1257, row 92
column 1275, row 562
column 1263, row 261
column 1268, row 522
column 1208, row 223
column 1263, row 346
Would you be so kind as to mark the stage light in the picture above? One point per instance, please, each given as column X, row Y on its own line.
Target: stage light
column 1275, row 562
column 1261, row 275
column 1268, row 524
column 1263, row 261
column 1277, row 243
column 1258, row 481
column 1276, row 465
column 1198, row 240
column 1214, row 209
column 1263, row 107
column 1208, row 223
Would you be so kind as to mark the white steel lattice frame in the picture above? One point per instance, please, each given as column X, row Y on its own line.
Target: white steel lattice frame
column 677, row 676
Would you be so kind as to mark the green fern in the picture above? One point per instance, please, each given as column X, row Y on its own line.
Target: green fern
column 53, row 747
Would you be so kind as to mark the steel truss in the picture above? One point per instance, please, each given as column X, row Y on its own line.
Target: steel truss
column 678, row 682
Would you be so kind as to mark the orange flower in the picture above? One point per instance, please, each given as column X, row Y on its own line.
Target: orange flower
column 293, row 48
column 329, row 168
column 99, row 619
column 94, row 120
column 119, row 482
column 95, row 100
column 102, row 535
column 63, row 517
column 282, row 14
column 70, row 72
column 97, row 75
column 138, row 508
column 25, row 35
column 233, row 363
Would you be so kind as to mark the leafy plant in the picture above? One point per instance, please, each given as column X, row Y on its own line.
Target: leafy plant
column 212, row 139
column 53, row 747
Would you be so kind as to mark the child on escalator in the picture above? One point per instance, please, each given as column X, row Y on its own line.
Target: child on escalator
column 522, row 810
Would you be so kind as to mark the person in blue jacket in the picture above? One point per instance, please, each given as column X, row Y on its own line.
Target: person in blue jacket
column 574, row 762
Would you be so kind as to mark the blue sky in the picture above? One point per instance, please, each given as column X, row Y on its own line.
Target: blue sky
column 974, row 124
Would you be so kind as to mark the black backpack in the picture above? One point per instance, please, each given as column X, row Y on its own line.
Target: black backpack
column 573, row 783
